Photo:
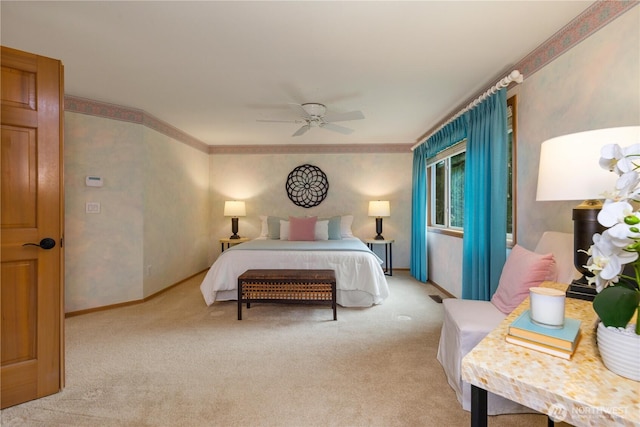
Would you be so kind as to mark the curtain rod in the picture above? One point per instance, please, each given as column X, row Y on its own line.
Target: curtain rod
column 513, row 76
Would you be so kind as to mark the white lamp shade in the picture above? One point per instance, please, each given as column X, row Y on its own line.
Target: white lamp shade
column 379, row 208
column 569, row 164
column 234, row 208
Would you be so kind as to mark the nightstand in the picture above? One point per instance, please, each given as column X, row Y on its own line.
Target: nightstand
column 231, row 242
column 388, row 254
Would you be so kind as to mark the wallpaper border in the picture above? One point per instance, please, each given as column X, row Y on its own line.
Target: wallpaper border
column 595, row 17
column 311, row 148
column 90, row 107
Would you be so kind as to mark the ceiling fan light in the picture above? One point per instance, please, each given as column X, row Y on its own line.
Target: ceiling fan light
column 314, row 109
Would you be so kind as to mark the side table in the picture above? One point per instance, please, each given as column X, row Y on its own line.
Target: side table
column 388, row 253
column 580, row 392
column 231, row 242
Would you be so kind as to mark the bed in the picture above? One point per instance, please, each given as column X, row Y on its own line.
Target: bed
column 360, row 279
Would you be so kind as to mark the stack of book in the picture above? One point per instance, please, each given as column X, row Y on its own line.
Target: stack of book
column 560, row 342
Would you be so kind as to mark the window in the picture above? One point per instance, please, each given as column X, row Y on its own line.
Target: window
column 445, row 173
column 447, row 187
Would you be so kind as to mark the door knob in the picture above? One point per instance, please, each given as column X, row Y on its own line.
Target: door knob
column 46, row 243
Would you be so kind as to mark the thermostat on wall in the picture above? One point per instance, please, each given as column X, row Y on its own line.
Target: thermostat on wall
column 94, row 181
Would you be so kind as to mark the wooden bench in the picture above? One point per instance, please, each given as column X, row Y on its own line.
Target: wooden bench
column 287, row 286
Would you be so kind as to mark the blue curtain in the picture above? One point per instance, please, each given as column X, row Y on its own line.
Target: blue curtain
column 485, row 216
column 452, row 133
column 418, row 264
column 449, row 135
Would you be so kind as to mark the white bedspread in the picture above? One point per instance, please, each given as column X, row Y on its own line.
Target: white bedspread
column 360, row 280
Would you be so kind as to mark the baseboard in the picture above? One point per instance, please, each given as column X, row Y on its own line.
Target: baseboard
column 134, row 302
column 441, row 289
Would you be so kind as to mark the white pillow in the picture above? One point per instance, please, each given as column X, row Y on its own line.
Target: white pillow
column 264, row 226
column 345, row 225
column 322, row 230
column 284, row 230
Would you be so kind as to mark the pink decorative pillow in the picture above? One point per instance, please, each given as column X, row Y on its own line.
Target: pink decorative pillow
column 302, row 228
column 523, row 270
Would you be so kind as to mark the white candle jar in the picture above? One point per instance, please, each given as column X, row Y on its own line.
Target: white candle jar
column 547, row 307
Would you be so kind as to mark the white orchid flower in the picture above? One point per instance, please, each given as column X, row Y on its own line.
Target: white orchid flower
column 619, row 160
column 599, row 282
column 621, row 235
column 607, row 262
column 614, row 255
column 610, row 154
column 627, row 185
column 614, row 213
column 603, row 262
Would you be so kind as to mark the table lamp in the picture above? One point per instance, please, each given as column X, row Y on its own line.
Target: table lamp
column 570, row 170
column 379, row 209
column 234, row 209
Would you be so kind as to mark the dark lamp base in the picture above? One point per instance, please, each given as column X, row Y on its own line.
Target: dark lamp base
column 234, row 228
column 379, row 229
column 580, row 290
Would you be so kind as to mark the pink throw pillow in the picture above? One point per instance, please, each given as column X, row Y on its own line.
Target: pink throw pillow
column 523, row 270
column 302, row 228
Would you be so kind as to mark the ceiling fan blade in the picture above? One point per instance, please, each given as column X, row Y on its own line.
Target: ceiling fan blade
column 299, row 110
column 279, row 121
column 302, row 130
column 342, row 117
column 336, row 128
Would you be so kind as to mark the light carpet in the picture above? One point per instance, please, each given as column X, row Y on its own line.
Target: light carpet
column 173, row 361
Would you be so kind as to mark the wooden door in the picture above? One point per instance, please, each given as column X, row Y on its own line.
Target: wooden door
column 31, row 211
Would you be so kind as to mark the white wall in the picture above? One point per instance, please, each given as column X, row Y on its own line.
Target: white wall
column 594, row 85
column 103, row 252
column 154, row 211
column 176, row 211
column 445, row 262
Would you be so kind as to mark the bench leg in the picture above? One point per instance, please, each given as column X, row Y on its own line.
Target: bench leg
column 239, row 299
column 334, row 303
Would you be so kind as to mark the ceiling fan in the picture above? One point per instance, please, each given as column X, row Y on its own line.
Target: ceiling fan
column 313, row 115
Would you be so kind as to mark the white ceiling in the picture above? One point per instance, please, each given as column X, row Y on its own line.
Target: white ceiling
column 212, row 68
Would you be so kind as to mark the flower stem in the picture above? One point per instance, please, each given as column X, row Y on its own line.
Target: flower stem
column 636, row 269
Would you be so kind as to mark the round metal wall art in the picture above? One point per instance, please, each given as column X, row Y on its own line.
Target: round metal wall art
column 307, row 186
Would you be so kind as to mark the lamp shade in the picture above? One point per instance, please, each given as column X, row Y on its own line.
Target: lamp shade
column 234, row 208
column 379, row 208
column 569, row 164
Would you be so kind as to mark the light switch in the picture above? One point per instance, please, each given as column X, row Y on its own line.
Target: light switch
column 93, row 207
column 94, row 181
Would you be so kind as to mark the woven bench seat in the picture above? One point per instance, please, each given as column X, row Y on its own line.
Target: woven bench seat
column 287, row 286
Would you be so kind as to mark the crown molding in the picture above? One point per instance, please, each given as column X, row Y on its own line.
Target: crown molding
column 311, row 148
